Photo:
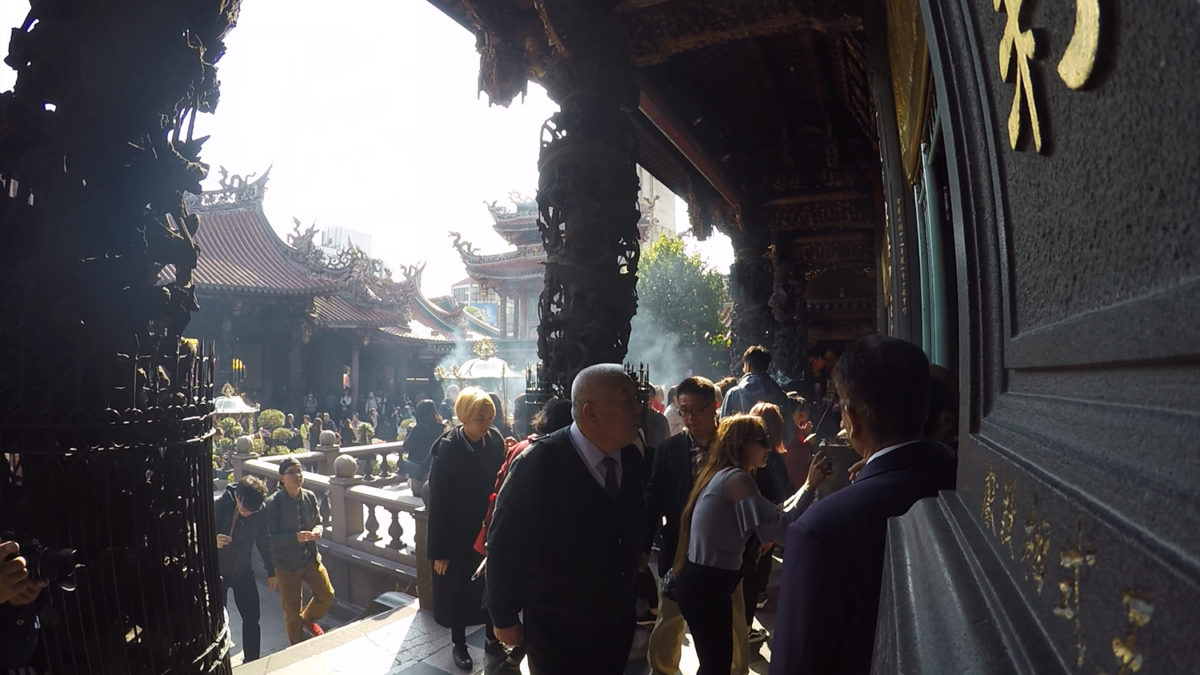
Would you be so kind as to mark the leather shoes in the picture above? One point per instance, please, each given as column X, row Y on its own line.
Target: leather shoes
column 494, row 648
column 462, row 658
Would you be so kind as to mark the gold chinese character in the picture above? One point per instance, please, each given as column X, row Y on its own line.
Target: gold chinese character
column 1021, row 44
column 1126, row 651
column 989, row 496
column 1068, row 605
column 1008, row 513
column 1036, row 549
column 1080, row 57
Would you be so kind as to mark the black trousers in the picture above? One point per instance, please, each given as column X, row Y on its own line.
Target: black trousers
column 458, row 633
column 706, row 603
column 245, row 596
column 756, row 573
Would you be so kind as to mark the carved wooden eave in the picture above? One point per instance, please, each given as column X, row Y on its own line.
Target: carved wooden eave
column 657, row 31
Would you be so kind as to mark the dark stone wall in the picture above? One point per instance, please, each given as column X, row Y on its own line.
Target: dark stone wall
column 1071, row 543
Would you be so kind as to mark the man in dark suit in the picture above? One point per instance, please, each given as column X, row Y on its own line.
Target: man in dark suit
column 565, row 540
column 834, row 562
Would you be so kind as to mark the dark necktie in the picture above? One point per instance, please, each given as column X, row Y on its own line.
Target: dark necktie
column 610, row 477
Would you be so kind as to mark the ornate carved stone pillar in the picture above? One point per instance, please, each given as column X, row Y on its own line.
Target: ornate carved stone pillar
column 587, row 194
column 502, row 313
column 788, row 307
column 354, row 352
column 750, row 287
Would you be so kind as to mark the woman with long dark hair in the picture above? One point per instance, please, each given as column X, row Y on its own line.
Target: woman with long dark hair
column 421, row 436
column 773, row 483
column 465, row 461
column 725, row 507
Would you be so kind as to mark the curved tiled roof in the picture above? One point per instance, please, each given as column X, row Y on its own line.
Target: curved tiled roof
column 240, row 252
column 335, row 311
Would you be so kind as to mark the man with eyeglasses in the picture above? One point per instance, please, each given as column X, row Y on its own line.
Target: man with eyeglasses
column 294, row 519
column 676, row 463
column 240, row 527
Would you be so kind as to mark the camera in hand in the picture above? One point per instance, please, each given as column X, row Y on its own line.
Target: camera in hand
column 54, row 565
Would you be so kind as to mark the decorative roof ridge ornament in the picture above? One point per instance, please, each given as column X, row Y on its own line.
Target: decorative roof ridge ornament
column 304, row 246
column 465, row 248
column 525, row 206
column 236, row 192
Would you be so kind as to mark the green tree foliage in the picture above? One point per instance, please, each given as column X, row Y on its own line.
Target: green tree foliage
column 678, row 325
column 271, row 419
column 281, row 436
column 231, row 427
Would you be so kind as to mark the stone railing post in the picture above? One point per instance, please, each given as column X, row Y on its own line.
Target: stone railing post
column 325, row 445
column 347, row 519
column 424, row 566
column 242, row 452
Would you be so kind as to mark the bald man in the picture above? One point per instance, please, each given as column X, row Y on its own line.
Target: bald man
column 563, row 548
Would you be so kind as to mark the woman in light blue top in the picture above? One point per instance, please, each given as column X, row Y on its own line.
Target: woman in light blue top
column 724, row 508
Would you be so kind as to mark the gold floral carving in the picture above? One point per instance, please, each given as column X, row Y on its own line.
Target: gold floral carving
column 1008, row 513
column 908, row 55
column 989, row 497
column 1036, row 549
column 1018, row 45
column 1074, row 560
column 1126, row 649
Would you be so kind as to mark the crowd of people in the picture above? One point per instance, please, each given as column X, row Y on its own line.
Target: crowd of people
column 554, row 536
column 548, row 540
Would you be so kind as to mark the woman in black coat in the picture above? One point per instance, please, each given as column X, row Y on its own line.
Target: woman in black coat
column 463, row 471
column 419, row 440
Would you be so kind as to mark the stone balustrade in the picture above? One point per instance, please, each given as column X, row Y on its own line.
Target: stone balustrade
column 368, row 527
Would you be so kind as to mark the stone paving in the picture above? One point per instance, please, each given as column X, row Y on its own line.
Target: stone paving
column 407, row 640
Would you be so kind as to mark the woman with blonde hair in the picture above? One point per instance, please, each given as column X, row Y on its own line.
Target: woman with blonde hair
column 725, row 507
column 464, row 464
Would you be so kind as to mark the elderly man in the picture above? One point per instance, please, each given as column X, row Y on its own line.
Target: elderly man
column 834, row 563
column 564, row 544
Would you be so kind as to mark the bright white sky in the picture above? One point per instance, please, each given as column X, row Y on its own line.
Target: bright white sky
column 370, row 118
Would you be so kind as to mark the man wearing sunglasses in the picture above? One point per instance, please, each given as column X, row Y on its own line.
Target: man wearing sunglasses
column 240, row 527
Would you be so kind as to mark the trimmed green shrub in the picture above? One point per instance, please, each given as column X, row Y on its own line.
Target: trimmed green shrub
column 281, row 436
column 231, row 427
column 271, row 419
column 365, row 433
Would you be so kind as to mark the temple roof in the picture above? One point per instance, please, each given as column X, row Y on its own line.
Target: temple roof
column 240, row 253
column 519, row 227
column 524, row 263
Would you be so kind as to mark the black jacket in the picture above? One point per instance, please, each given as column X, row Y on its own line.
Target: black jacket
column 419, row 441
column 666, row 495
column 834, row 564
column 460, row 490
column 247, row 533
column 285, row 517
column 759, row 387
column 566, row 553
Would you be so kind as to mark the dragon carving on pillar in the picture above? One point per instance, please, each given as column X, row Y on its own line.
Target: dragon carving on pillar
column 102, row 398
column 587, row 196
column 751, row 279
column 790, row 311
